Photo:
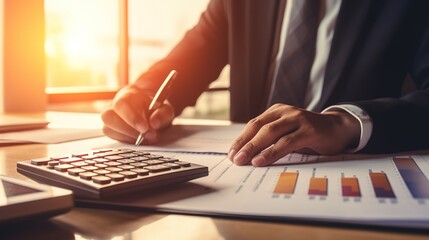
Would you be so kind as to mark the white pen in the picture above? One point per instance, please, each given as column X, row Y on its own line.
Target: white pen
column 160, row 96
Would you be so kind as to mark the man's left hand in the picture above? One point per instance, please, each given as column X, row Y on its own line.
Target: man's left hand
column 284, row 129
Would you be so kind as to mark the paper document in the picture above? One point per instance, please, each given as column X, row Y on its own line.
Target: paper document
column 63, row 127
column 49, row 135
column 197, row 137
column 13, row 123
column 389, row 190
column 381, row 191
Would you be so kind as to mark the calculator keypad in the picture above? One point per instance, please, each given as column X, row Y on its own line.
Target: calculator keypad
column 110, row 172
column 110, row 165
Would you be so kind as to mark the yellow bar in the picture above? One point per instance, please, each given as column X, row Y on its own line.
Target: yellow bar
column 286, row 183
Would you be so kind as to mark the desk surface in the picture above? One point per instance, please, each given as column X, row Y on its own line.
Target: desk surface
column 82, row 223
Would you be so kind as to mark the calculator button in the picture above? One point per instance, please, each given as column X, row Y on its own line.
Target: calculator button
column 183, row 164
column 90, row 168
column 153, row 162
column 40, row 161
column 171, row 165
column 116, row 177
column 102, row 171
column 52, row 164
column 88, row 157
column 87, row 175
column 79, row 154
column 168, row 159
column 126, row 167
column 128, row 155
column 101, row 151
column 75, row 171
column 70, row 160
column 153, row 156
column 141, row 158
column 140, row 171
column 125, row 150
column 99, row 165
column 114, row 169
column 140, row 153
column 112, row 164
column 101, row 179
column 114, row 158
column 129, row 174
column 90, row 162
column 105, row 154
column 63, row 167
column 79, row 164
column 59, row 157
column 157, row 168
column 100, row 160
column 126, row 161
column 139, row 164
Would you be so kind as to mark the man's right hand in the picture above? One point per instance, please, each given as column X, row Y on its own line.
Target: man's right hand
column 127, row 116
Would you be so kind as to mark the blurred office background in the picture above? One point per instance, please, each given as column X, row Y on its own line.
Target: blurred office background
column 86, row 57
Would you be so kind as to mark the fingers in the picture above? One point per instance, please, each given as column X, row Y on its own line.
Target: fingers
column 117, row 124
column 117, row 135
column 284, row 129
column 281, row 148
column 250, row 130
column 129, row 106
column 127, row 117
column 263, row 131
column 265, row 137
column 162, row 117
column 150, row 137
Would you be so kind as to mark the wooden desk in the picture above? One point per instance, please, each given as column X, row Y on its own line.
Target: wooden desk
column 82, row 223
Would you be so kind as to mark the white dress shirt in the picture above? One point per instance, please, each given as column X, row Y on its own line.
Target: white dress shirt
column 325, row 33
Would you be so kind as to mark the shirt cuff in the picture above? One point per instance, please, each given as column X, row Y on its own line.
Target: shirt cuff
column 364, row 121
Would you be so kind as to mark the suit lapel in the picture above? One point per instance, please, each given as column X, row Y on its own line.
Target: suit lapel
column 348, row 31
column 261, row 39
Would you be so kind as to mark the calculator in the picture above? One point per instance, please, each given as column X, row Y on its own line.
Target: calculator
column 105, row 173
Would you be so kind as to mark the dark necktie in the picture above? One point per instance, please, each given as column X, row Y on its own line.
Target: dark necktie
column 297, row 58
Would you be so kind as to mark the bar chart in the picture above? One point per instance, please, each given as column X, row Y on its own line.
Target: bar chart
column 411, row 175
column 389, row 188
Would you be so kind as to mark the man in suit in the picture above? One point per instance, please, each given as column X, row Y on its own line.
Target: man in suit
column 351, row 100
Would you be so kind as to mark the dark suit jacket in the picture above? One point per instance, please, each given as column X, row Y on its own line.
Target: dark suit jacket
column 375, row 46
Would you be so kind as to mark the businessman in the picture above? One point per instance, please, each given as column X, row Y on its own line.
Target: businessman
column 308, row 76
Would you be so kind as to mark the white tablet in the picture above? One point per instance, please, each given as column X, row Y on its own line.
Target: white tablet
column 20, row 200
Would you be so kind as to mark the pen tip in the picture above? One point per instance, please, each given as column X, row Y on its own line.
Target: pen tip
column 139, row 140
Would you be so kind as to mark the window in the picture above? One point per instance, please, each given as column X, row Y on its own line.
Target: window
column 88, row 59
column 81, row 44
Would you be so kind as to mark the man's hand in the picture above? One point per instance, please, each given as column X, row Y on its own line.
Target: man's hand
column 127, row 116
column 284, row 129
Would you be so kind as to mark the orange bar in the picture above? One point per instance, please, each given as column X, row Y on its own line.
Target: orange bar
column 350, row 187
column 318, row 186
column 286, row 183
